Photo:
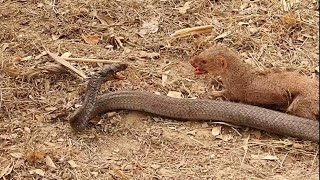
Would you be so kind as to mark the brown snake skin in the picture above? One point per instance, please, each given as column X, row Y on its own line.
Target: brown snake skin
column 188, row 109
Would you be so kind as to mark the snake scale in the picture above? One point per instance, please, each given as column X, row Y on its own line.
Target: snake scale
column 187, row 109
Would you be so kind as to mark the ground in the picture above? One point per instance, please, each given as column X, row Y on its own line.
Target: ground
column 36, row 96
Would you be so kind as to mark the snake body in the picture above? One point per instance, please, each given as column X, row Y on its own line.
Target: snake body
column 190, row 109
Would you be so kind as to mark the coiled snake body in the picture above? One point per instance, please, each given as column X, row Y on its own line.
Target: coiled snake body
column 188, row 109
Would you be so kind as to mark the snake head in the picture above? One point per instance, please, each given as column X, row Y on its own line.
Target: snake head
column 110, row 72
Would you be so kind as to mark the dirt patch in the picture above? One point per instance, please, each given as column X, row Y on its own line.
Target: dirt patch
column 34, row 133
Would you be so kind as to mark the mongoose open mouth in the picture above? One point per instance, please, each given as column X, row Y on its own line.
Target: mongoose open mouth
column 200, row 71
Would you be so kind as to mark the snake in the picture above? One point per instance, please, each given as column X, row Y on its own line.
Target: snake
column 186, row 109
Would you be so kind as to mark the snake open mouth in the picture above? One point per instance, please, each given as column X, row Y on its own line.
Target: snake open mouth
column 119, row 76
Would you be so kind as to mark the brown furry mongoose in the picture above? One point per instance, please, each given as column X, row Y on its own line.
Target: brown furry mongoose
column 290, row 91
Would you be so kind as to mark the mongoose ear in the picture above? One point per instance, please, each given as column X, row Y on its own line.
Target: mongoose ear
column 224, row 63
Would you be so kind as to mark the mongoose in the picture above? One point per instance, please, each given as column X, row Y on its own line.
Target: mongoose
column 296, row 94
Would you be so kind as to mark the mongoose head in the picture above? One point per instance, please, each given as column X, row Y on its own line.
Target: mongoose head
column 214, row 60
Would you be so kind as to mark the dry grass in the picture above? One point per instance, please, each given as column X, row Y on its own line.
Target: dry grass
column 129, row 145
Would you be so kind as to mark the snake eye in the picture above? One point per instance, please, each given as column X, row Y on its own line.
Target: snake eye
column 204, row 62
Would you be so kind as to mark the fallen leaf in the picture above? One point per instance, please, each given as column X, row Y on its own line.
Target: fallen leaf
column 6, row 171
column 40, row 55
column 50, row 163
column 193, row 133
column 72, row 164
column 4, row 46
column 5, row 137
column 149, row 27
column 55, row 37
column 216, row 130
column 245, row 143
column 37, row 171
column 288, row 4
column 155, row 166
column 164, row 79
column 257, row 134
column 174, row 94
column 66, row 55
column 95, row 174
column 223, row 35
column 153, row 55
column 35, row 156
column 28, row 58
column 91, row 39
column 244, row 6
column 40, row 5
column 225, row 137
column 184, row 8
column 16, row 155
column 50, row 108
column 27, row 130
column 66, row 64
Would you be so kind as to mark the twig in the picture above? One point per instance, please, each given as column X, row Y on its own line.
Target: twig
column 89, row 60
column 193, row 30
column 67, row 64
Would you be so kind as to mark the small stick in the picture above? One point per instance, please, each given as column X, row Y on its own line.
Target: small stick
column 67, row 64
column 89, row 60
column 193, row 30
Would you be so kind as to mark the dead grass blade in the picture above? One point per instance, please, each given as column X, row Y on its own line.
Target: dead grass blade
column 190, row 31
column 67, row 64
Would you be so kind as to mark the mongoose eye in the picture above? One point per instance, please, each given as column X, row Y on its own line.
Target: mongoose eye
column 204, row 62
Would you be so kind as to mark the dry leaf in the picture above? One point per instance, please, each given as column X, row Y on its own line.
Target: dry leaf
column 153, row 55
column 317, row 69
column 4, row 46
column 55, row 37
column 184, row 8
column 6, row 171
column 244, row 6
column 216, row 130
column 66, row 64
column 288, row 4
column 5, row 137
column 257, row 134
column 37, row 171
column 223, row 35
column 225, row 137
column 40, row 5
column 164, row 79
column 264, row 157
column 95, row 174
column 35, row 156
column 174, row 94
column 28, row 58
column 50, row 108
column 40, row 55
column 193, row 133
column 72, row 164
column 16, row 155
column 91, row 39
column 245, row 143
column 149, row 27
column 66, row 55
column 50, row 163
column 27, row 130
